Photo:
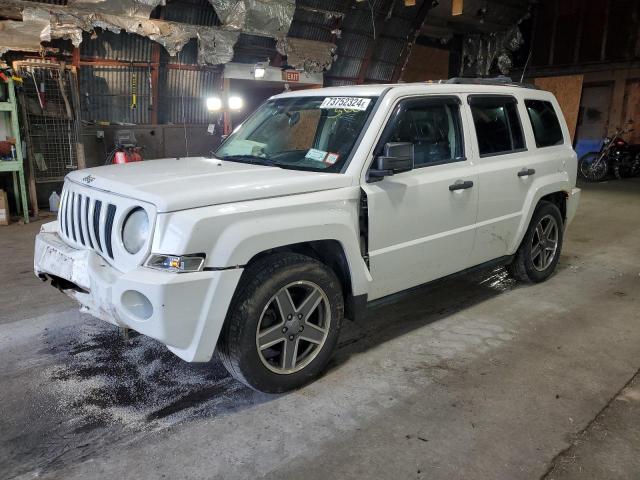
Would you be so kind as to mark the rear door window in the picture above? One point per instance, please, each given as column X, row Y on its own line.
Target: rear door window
column 497, row 124
column 545, row 124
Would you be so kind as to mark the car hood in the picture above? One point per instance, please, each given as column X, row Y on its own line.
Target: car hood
column 176, row 184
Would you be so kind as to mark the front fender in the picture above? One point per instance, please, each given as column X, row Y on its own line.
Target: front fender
column 232, row 234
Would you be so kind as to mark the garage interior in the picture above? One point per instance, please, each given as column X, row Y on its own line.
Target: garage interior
column 473, row 377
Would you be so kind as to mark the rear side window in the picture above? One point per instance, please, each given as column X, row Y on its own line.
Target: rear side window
column 545, row 124
column 497, row 123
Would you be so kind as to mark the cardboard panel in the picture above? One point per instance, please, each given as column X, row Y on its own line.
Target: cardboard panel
column 568, row 90
column 426, row 63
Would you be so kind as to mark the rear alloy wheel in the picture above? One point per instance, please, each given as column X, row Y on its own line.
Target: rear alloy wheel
column 283, row 323
column 544, row 243
column 538, row 254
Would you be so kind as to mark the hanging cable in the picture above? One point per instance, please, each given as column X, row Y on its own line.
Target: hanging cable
column 373, row 19
column 184, row 121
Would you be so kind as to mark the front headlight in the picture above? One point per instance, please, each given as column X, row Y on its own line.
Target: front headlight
column 135, row 230
column 175, row 263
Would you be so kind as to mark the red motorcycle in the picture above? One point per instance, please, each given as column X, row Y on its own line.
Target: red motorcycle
column 616, row 156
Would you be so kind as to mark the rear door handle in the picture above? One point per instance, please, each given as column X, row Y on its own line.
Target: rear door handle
column 525, row 172
column 461, row 185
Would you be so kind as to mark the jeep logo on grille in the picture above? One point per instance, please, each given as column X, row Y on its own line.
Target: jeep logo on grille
column 88, row 179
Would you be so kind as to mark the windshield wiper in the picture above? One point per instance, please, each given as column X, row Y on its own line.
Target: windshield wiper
column 252, row 159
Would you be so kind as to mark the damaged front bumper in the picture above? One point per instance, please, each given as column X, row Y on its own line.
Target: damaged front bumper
column 184, row 311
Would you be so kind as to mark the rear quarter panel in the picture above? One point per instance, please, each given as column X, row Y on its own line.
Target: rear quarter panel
column 559, row 162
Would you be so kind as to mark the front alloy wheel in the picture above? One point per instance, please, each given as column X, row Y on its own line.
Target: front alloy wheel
column 293, row 327
column 283, row 323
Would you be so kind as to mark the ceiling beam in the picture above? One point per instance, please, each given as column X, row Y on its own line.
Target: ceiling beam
column 378, row 25
column 419, row 19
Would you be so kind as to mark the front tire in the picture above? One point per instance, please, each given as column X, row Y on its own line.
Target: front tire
column 283, row 323
column 590, row 170
column 539, row 252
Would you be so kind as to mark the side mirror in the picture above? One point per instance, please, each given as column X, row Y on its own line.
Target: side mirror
column 397, row 158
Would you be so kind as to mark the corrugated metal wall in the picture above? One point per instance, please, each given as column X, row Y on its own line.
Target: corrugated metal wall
column 253, row 49
column 124, row 47
column 106, row 94
column 365, row 57
column 194, row 12
column 183, row 94
column 105, row 77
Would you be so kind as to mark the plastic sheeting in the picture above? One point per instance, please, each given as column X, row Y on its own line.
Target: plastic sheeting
column 129, row 8
column 270, row 18
column 215, row 46
column 309, row 55
column 481, row 51
column 16, row 35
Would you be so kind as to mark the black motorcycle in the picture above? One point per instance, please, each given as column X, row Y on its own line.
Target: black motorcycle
column 616, row 157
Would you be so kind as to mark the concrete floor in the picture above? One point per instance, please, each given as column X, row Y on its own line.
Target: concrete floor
column 475, row 378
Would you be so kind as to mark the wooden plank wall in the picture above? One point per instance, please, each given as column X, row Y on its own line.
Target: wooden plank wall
column 632, row 110
column 568, row 91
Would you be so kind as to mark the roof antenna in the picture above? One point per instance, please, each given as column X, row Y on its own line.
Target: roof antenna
column 526, row 64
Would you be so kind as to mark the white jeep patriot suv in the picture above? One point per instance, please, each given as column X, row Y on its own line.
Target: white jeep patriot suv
column 319, row 203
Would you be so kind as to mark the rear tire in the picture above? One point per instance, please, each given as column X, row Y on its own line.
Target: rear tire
column 283, row 323
column 539, row 252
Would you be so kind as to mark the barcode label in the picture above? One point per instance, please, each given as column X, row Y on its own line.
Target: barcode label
column 347, row 103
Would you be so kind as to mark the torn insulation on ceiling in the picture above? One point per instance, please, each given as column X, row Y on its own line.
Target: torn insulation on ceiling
column 39, row 24
column 16, row 35
column 127, row 8
column 267, row 18
column 480, row 52
column 309, row 55
column 270, row 18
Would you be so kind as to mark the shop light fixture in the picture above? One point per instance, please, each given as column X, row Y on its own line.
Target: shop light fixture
column 214, row 104
column 236, row 103
column 259, row 71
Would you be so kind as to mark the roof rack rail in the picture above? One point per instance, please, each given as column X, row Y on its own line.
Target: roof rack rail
column 501, row 80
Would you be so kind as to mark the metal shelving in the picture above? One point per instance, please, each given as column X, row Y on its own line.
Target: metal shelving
column 16, row 167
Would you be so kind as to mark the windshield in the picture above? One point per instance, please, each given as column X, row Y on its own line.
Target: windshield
column 303, row 133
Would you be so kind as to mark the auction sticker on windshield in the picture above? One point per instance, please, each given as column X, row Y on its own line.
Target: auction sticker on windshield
column 347, row 103
column 315, row 154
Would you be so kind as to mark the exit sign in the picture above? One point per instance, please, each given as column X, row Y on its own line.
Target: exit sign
column 291, row 76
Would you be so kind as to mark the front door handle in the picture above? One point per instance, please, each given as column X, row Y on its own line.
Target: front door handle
column 525, row 172
column 461, row 185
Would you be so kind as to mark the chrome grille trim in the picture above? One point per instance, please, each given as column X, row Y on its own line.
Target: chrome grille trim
column 85, row 222
column 111, row 214
column 96, row 223
column 79, row 219
column 92, row 219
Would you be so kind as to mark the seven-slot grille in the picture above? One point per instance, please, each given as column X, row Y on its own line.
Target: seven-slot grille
column 86, row 221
